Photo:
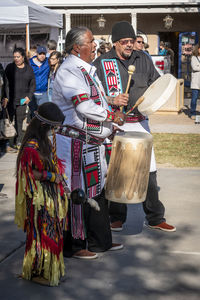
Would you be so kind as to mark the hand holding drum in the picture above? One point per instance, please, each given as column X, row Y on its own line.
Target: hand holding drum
column 119, row 118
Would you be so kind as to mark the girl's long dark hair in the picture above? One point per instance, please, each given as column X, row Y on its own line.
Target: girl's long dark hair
column 38, row 131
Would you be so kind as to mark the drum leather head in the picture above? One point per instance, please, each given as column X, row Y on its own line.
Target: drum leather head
column 157, row 94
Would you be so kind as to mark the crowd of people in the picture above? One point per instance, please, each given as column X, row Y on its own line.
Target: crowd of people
column 29, row 81
column 26, row 83
column 60, row 196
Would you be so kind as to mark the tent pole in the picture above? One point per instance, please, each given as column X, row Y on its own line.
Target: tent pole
column 27, row 39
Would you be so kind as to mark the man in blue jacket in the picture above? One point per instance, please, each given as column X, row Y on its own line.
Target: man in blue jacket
column 40, row 66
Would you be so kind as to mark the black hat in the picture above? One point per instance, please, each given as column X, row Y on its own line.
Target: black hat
column 50, row 113
column 122, row 30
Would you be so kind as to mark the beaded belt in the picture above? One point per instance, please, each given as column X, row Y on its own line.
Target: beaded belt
column 79, row 134
column 135, row 118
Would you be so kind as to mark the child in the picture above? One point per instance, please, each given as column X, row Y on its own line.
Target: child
column 41, row 203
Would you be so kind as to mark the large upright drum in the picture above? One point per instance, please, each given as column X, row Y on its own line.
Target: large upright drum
column 128, row 171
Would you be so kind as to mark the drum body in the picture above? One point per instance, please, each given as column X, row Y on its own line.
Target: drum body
column 157, row 94
column 128, row 171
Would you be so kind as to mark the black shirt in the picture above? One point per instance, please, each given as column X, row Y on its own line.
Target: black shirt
column 145, row 73
column 21, row 83
column 4, row 92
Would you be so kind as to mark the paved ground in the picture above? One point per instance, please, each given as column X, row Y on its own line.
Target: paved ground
column 175, row 123
column 153, row 265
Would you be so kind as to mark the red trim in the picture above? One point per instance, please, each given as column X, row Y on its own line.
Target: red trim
column 110, row 115
column 50, row 245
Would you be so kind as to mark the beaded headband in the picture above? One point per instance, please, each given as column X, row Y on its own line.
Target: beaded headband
column 42, row 119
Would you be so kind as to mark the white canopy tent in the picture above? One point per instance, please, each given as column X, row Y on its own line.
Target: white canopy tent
column 26, row 14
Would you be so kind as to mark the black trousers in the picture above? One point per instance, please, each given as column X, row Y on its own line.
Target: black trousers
column 153, row 207
column 99, row 237
column 20, row 114
column 32, row 108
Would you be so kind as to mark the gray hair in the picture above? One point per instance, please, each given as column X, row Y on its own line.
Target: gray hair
column 52, row 45
column 75, row 36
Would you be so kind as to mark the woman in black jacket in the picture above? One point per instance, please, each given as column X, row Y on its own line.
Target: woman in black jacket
column 3, row 87
column 3, row 102
column 21, row 88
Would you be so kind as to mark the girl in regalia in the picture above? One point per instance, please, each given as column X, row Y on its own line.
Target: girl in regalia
column 41, row 202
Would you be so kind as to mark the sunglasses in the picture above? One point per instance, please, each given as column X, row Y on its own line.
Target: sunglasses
column 139, row 42
column 125, row 42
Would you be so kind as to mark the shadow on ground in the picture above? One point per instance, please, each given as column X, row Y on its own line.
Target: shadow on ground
column 186, row 111
column 147, row 268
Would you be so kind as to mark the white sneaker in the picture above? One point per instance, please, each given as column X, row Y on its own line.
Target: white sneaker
column 116, row 226
column 116, row 247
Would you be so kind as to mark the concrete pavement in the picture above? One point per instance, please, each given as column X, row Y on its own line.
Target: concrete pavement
column 175, row 123
column 154, row 265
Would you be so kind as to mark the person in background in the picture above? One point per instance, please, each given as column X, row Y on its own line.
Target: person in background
column 99, row 52
column 21, row 81
column 170, row 55
column 32, row 52
column 108, row 47
column 55, row 60
column 138, row 43
column 51, row 46
column 101, row 49
column 40, row 66
column 162, row 50
column 4, row 91
column 4, row 94
column 195, row 80
column 64, row 54
column 40, row 202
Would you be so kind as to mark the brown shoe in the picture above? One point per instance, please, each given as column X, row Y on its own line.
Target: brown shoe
column 116, row 226
column 164, row 227
column 40, row 280
column 116, row 247
column 85, row 254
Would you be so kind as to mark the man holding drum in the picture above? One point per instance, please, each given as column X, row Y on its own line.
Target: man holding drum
column 112, row 69
column 88, row 121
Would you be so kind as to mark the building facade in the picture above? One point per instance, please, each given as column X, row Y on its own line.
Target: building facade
column 175, row 22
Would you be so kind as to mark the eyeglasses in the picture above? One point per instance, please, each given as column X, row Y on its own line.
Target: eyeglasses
column 125, row 42
column 139, row 42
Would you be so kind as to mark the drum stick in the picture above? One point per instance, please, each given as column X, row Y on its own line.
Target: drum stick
column 131, row 70
column 140, row 100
